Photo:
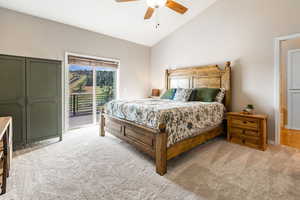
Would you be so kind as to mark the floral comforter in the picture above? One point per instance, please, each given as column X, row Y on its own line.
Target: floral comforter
column 182, row 119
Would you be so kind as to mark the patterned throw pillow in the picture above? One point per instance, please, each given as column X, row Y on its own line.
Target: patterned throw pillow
column 221, row 95
column 183, row 94
column 169, row 94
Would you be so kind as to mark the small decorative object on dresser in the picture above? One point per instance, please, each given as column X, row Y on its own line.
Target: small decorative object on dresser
column 249, row 109
column 248, row 130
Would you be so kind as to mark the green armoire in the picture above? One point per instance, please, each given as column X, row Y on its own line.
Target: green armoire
column 30, row 92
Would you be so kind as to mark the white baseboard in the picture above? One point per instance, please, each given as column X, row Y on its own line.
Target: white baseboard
column 271, row 142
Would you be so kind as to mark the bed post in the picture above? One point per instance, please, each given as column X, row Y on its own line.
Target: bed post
column 226, row 83
column 166, row 79
column 102, row 123
column 161, row 150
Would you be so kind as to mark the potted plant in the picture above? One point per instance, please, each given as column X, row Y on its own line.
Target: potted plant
column 249, row 109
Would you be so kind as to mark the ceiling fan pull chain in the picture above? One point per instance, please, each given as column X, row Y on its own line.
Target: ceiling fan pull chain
column 157, row 24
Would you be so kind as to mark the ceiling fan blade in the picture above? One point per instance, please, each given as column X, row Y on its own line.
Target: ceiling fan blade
column 176, row 6
column 149, row 13
column 120, row 1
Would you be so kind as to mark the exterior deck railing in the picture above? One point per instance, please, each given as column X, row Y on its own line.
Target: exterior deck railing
column 82, row 103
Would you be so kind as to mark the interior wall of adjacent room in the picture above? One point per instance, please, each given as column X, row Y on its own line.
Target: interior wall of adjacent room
column 241, row 31
column 285, row 46
column 25, row 35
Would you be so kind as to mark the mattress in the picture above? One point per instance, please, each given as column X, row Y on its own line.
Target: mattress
column 182, row 119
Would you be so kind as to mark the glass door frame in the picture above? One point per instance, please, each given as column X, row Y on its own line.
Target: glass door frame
column 66, row 100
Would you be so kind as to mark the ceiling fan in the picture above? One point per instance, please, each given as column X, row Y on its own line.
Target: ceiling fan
column 155, row 4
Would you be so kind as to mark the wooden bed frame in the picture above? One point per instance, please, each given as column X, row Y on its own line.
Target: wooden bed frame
column 154, row 142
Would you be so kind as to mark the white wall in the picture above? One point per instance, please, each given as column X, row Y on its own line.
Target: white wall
column 24, row 35
column 236, row 30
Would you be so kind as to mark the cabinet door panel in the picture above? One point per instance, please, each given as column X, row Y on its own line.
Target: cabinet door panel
column 44, row 99
column 44, row 116
column 12, row 95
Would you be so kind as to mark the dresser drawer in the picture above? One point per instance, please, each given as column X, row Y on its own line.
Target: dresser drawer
column 244, row 132
column 246, row 123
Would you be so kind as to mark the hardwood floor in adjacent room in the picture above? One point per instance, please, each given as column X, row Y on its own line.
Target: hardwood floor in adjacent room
column 85, row 166
column 290, row 137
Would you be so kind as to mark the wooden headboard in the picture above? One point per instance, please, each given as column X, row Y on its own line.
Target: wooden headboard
column 210, row 76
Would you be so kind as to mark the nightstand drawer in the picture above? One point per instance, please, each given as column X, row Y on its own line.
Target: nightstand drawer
column 244, row 132
column 252, row 142
column 247, row 123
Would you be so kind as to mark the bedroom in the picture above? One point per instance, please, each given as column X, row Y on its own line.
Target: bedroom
column 209, row 33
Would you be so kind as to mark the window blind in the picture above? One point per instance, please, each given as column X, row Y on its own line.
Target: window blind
column 75, row 60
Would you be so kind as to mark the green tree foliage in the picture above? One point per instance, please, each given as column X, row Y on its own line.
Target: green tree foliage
column 103, row 78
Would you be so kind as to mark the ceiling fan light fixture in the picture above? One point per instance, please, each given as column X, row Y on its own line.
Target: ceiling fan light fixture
column 156, row 3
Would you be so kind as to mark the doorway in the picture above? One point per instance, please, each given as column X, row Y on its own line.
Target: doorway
column 288, row 61
column 91, row 84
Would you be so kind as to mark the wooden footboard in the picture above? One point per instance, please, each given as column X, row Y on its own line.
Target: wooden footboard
column 151, row 141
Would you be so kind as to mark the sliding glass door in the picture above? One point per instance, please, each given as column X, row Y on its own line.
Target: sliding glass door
column 105, row 87
column 90, row 87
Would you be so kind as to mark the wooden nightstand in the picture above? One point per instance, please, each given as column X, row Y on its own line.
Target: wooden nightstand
column 248, row 130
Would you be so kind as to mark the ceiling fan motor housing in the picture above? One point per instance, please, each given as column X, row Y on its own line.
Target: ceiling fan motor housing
column 156, row 3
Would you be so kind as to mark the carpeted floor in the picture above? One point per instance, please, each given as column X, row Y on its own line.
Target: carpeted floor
column 87, row 167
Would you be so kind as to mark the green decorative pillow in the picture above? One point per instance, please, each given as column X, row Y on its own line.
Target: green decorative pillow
column 204, row 94
column 169, row 94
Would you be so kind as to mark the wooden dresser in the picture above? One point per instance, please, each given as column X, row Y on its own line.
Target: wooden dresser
column 248, row 130
column 5, row 150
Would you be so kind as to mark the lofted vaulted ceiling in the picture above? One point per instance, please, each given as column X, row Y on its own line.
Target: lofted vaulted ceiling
column 120, row 20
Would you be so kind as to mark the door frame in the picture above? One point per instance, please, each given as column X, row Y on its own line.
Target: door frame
column 66, row 84
column 277, row 73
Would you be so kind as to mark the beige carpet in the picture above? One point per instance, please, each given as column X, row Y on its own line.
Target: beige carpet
column 87, row 167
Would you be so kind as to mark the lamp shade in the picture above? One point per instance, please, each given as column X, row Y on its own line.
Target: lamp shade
column 155, row 92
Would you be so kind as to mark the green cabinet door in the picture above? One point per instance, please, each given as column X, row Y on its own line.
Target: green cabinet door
column 12, row 95
column 43, row 90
